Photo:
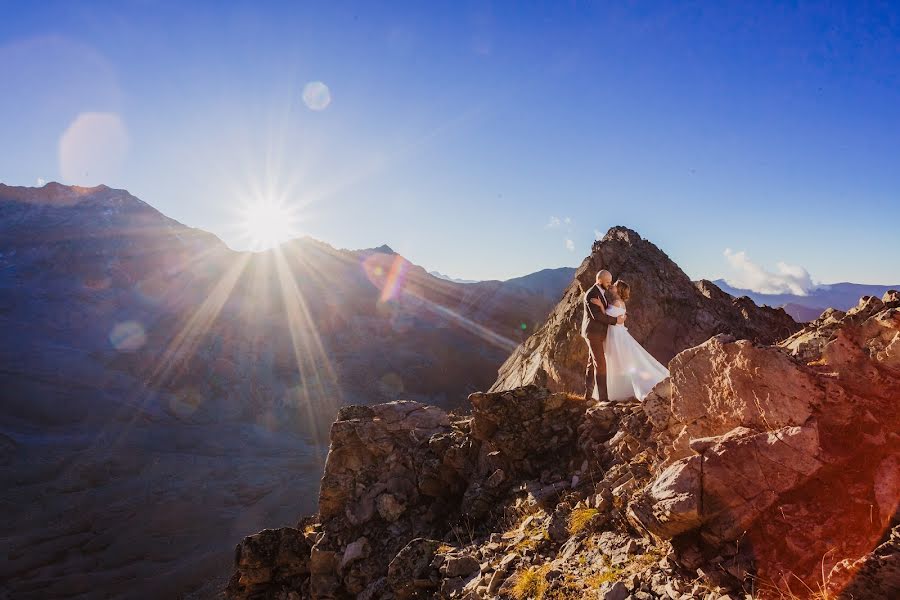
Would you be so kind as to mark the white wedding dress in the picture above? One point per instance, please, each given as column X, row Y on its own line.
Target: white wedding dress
column 631, row 372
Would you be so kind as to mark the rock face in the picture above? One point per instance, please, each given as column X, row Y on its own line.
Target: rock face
column 764, row 468
column 402, row 473
column 793, row 449
column 667, row 313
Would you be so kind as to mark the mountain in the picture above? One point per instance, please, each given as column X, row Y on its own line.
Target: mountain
column 550, row 283
column 667, row 313
column 162, row 393
column 753, row 471
column 803, row 309
column 440, row 275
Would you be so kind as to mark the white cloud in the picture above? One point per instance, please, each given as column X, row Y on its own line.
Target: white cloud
column 556, row 222
column 40, row 181
column 598, row 235
column 570, row 245
column 746, row 274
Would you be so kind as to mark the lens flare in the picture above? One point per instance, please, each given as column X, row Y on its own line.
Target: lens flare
column 396, row 277
column 127, row 336
column 316, row 95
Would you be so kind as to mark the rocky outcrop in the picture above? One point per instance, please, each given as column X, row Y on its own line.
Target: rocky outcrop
column 791, row 449
column 770, row 470
column 402, row 473
column 274, row 561
column 667, row 313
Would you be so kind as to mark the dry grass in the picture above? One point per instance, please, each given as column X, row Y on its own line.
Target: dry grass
column 783, row 589
column 530, row 583
column 644, row 561
column 580, row 519
column 607, row 575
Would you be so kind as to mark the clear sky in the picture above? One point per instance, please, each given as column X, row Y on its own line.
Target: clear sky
column 483, row 140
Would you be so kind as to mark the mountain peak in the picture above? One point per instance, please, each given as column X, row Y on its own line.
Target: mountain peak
column 382, row 249
column 54, row 193
column 621, row 233
column 667, row 314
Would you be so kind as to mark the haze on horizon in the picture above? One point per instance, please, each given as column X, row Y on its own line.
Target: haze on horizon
column 756, row 143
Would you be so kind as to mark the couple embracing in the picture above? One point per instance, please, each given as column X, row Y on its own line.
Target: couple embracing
column 618, row 367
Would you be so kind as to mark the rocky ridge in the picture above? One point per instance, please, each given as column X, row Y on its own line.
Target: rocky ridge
column 768, row 470
column 667, row 313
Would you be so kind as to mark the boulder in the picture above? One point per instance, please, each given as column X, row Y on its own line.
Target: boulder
column 722, row 384
column 726, row 487
column 875, row 575
column 270, row 561
column 410, row 574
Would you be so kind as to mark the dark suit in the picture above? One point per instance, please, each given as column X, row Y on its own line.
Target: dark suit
column 594, row 326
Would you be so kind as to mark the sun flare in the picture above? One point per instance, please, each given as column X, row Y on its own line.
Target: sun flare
column 267, row 223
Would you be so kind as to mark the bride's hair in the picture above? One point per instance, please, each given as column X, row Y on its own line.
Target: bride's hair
column 623, row 290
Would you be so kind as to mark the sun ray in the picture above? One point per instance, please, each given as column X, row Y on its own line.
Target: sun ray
column 309, row 352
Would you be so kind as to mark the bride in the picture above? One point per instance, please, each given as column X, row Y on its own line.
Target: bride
column 630, row 370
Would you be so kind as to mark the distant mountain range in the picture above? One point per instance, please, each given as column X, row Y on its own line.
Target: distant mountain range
column 841, row 296
column 146, row 368
column 440, row 275
column 549, row 283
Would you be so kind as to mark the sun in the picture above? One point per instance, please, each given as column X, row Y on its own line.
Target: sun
column 267, row 223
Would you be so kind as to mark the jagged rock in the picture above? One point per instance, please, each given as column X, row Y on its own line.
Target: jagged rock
column 713, row 389
column 667, row 313
column 410, row 573
column 875, row 575
column 389, row 507
column 360, row 446
column 800, row 506
column 737, row 476
column 270, row 562
column 558, row 526
column 613, row 591
column 355, row 551
column 456, row 566
column 526, row 424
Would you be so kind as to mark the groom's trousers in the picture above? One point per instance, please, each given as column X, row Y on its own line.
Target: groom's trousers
column 595, row 372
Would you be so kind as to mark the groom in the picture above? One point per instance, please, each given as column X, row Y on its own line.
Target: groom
column 594, row 326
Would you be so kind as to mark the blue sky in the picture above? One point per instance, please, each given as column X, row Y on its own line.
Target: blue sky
column 457, row 132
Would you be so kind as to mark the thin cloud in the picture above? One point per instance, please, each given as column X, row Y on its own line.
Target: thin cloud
column 570, row 245
column 748, row 275
column 557, row 222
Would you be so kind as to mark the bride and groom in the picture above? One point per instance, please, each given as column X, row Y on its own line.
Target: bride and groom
column 618, row 367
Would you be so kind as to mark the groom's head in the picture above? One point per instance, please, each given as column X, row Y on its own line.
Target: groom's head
column 604, row 279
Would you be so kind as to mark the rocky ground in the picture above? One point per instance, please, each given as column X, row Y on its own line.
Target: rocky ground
column 761, row 470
